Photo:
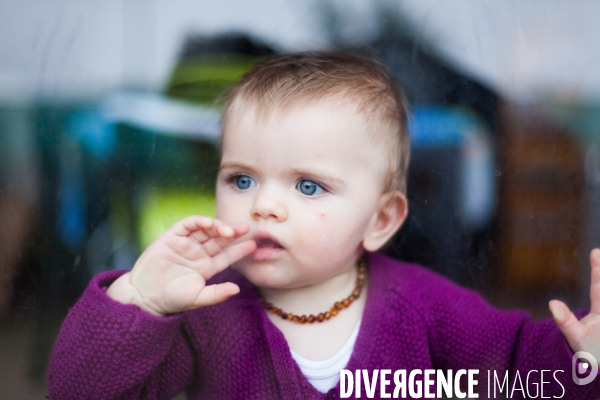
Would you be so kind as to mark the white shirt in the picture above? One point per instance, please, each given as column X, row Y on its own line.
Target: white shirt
column 325, row 374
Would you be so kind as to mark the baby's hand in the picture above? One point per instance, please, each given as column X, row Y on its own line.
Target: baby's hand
column 583, row 335
column 170, row 276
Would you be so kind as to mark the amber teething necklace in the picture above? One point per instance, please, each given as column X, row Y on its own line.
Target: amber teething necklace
column 335, row 309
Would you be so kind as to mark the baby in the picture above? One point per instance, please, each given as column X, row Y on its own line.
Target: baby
column 311, row 184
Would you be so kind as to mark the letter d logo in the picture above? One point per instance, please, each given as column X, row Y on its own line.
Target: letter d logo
column 580, row 368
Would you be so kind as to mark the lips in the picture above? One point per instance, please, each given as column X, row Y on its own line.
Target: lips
column 267, row 247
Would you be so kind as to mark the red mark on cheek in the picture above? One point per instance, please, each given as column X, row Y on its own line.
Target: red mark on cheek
column 322, row 215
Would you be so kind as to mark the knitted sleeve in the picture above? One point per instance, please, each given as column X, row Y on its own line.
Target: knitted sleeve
column 467, row 333
column 107, row 350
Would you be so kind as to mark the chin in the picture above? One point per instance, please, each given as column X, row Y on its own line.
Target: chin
column 259, row 274
column 267, row 276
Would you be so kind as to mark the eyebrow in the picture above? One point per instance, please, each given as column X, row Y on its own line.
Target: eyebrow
column 237, row 165
column 319, row 175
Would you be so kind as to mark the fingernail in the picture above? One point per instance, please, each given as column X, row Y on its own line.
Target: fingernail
column 206, row 221
column 596, row 255
column 558, row 313
column 227, row 231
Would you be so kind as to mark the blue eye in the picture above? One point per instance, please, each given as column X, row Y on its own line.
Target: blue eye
column 309, row 188
column 244, row 182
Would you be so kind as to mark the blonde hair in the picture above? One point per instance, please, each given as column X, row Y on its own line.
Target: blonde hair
column 284, row 80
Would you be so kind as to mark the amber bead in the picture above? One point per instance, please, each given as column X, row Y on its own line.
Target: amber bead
column 335, row 309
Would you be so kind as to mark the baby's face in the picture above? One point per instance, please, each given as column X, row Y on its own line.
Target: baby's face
column 308, row 182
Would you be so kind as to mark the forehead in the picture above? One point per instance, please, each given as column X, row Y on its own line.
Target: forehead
column 323, row 127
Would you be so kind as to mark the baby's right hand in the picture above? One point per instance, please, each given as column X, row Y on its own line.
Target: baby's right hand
column 170, row 276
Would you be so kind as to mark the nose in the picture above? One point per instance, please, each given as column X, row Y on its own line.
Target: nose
column 269, row 203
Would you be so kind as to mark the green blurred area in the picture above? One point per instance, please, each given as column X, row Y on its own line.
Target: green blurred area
column 207, row 78
column 160, row 208
column 163, row 179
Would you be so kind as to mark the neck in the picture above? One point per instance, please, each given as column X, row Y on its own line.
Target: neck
column 314, row 298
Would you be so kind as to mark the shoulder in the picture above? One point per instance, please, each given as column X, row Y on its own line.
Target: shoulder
column 409, row 279
column 425, row 291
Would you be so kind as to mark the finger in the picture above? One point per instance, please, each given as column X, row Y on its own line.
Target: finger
column 240, row 229
column 595, row 285
column 567, row 323
column 198, row 224
column 202, row 228
column 214, row 294
column 219, row 229
column 231, row 254
column 215, row 229
column 224, row 230
column 191, row 224
column 213, row 245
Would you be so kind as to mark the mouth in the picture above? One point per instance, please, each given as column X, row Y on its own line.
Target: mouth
column 267, row 247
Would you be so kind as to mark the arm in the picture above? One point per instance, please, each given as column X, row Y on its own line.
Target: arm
column 467, row 333
column 107, row 350
column 170, row 276
column 124, row 338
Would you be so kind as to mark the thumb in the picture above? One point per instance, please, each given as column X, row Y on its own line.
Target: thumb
column 214, row 294
column 567, row 323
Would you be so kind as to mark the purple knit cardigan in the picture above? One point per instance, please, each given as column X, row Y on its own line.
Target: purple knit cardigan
column 413, row 319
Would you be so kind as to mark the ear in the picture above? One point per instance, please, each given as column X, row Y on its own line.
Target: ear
column 391, row 213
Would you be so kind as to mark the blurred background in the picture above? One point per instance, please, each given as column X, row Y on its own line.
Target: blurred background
column 109, row 117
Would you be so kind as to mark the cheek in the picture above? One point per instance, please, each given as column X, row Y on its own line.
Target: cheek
column 343, row 226
column 229, row 209
column 328, row 230
column 220, row 201
column 221, row 206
